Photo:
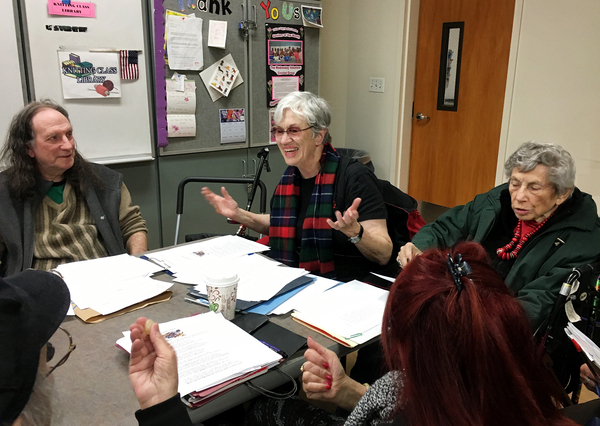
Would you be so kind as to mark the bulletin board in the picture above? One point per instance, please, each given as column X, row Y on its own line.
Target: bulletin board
column 108, row 129
column 208, row 131
column 249, row 54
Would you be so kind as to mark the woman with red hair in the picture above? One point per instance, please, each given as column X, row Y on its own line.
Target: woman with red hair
column 459, row 348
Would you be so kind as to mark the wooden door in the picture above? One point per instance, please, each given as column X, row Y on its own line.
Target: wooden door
column 454, row 153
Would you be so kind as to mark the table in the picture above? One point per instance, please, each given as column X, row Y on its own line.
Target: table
column 93, row 385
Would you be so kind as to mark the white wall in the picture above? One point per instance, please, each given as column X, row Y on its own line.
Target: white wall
column 10, row 83
column 553, row 90
column 362, row 39
column 556, row 94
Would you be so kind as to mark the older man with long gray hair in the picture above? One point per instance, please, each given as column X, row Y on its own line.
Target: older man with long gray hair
column 56, row 207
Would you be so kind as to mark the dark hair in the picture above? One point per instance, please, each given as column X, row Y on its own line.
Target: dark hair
column 468, row 358
column 22, row 169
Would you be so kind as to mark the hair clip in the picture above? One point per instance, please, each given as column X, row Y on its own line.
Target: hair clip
column 458, row 269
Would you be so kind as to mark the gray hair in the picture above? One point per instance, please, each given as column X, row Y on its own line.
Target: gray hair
column 560, row 164
column 308, row 106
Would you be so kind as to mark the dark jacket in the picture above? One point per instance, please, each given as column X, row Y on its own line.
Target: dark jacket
column 17, row 218
column 538, row 272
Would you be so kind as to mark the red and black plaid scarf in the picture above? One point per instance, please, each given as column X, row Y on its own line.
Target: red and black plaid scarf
column 316, row 246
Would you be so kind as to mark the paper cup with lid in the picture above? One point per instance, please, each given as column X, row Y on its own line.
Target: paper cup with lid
column 221, row 290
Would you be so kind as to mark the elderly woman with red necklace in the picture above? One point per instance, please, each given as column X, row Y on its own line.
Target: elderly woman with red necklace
column 535, row 228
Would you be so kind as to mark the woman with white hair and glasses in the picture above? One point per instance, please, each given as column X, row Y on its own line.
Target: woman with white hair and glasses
column 535, row 228
column 306, row 228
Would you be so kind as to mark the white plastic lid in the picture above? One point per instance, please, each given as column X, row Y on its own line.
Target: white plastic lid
column 222, row 278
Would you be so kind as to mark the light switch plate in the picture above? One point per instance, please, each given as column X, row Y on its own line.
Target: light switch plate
column 376, row 84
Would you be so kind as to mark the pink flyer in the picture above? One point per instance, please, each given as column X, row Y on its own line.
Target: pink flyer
column 75, row 9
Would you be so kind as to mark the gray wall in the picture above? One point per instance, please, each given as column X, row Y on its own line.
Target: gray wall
column 157, row 201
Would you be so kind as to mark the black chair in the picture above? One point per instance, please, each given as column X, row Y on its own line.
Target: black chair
column 579, row 295
column 263, row 155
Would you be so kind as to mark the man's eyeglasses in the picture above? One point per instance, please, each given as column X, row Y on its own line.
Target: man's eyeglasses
column 293, row 132
column 51, row 350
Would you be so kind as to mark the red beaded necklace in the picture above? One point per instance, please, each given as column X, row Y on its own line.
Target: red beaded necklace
column 507, row 252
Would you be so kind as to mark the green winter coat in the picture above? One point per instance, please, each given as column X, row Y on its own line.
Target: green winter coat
column 543, row 263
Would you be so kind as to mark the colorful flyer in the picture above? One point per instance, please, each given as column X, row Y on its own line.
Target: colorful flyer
column 233, row 125
column 89, row 74
column 311, row 16
column 285, row 61
column 72, row 8
column 208, row 74
column 224, row 77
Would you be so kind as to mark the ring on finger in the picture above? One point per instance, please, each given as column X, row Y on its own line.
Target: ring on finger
column 587, row 380
column 302, row 368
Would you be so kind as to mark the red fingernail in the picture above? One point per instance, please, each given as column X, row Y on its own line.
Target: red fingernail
column 329, row 377
column 328, row 386
column 325, row 365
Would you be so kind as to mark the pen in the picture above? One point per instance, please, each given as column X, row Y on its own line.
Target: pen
column 196, row 301
column 280, row 352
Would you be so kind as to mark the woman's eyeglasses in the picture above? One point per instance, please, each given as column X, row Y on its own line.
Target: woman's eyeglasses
column 293, row 132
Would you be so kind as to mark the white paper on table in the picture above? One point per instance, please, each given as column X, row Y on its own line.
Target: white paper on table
column 242, row 265
column 352, row 310
column 207, row 74
column 211, row 350
column 384, row 277
column 590, row 349
column 105, row 283
column 190, row 257
column 181, row 102
column 260, row 278
column 184, row 42
column 217, row 33
column 306, row 296
column 181, row 125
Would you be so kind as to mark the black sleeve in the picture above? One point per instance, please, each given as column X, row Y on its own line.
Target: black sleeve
column 361, row 182
column 171, row 412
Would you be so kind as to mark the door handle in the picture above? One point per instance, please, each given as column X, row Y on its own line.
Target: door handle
column 421, row 117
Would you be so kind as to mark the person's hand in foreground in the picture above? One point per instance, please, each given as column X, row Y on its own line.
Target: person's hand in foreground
column 324, row 378
column 407, row 253
column 588, row 378
column 225, row 205
column 152, row 365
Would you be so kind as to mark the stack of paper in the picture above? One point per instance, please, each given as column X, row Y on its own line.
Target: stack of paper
column 213, row 355
column 350, row 313
column 588, row 347
column 260, row 278
column 109, row 284
column 191, row 259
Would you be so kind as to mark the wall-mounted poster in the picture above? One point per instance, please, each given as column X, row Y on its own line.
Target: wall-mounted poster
column 285, row 61
column 89, row 74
